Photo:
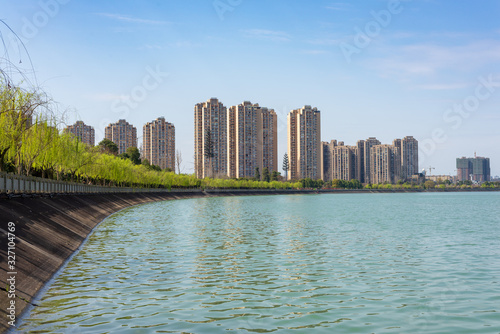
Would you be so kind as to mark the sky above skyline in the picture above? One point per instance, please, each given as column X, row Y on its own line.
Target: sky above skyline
column 386, row 69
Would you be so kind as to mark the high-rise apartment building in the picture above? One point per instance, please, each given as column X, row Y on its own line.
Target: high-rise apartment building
column 269, row 139
column 355, row 162
column 304, row 143
column 327, row 162
column 464, row 169
column 252, row 140
column 385, row 164
column 368, row 144
column 210, row 139
column 360, row 172
column 244, row 139
column 84, row 133
column 247, row 131
column 397, row 143
column 481, row 169
column 409, row 157
column 473, row 169
column 158, row 143
column 123, row 134
column 345, row 162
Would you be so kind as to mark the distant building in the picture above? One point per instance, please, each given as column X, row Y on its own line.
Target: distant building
column 355, row 162
column 464, row 169
column 123, row 134
column 345, row 162
column 439, row 178
column 385, row 164
column 84, row 133
column 252, row 140
column 327, row 162
column 158, row 144
column 210, row 117
column 473, row 169
column 368, row 144
column 269, row 139
column 397, row 143
column 409, row 157
column 243, row 137
column 304, row 143
column 360, row 171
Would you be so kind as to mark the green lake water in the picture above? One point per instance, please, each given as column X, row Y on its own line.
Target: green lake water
column 329, row 263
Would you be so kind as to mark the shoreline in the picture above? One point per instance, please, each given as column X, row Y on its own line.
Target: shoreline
column 396, row 191
column 50, row 230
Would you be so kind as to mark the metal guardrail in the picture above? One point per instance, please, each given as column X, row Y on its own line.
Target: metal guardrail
column 21, row 184
column 15, row 184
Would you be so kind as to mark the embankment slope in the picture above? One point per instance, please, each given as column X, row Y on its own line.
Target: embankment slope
column 48, row 231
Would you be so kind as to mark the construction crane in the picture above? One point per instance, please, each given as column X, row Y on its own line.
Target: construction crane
column 430, row 170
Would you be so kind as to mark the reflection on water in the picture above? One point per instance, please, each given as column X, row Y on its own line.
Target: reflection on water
column 333, row 263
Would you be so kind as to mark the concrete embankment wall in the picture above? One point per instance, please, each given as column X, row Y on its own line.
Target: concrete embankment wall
column 49, row 230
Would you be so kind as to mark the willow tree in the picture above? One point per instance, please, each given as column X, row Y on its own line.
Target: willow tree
column 18, row 108
column 36, row 141
column 53, row 159
column 78, row 155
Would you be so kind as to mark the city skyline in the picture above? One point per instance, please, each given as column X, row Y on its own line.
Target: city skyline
column 237, row 141
column 427, row 68
column 245, row 133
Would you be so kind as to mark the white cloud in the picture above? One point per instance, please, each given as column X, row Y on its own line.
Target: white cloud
column 178, row 45
column 314, row 52
column 339, row 6
column 185, row 44
column 443, row 86
column 400, row 35
column 154, row 47
column 272, row 35
column 130, row 19
column 326, row 41
column 432, row 59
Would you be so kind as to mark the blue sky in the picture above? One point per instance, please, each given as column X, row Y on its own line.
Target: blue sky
column 429, row 69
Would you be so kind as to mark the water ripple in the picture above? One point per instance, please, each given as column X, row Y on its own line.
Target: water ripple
column 402, row 263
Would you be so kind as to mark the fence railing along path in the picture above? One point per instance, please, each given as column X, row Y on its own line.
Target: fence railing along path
column 22, row 184
column 15, row 184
